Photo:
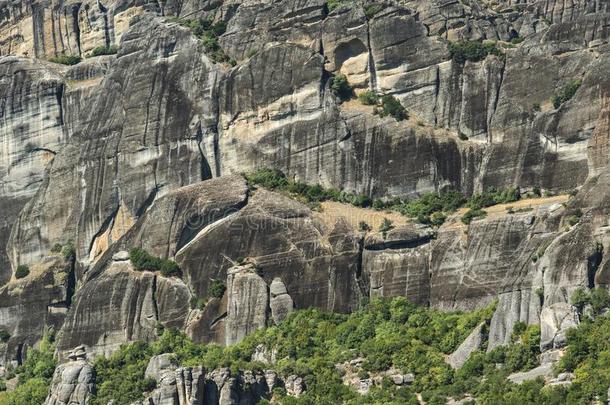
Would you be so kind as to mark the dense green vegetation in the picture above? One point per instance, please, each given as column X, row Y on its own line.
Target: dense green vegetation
column 274, row 179
column 142, row 260
column 121, row 376
column 474, row 51
column 565, row 93
column 430, row 208
column 22, row 271
column 208, row 32
column 310, row 343
column 66, row 59
column 4, row 336
column 588, row 357
column 34, row 376
column 385, row 333
column 104, row 50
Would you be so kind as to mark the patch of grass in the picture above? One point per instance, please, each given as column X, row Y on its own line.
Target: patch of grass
column 66, row 59
column 574, row 216
column 368, row 97
column 104, row 50
column 472, row 214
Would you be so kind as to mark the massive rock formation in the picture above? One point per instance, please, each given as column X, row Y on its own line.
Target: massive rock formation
column 145, row 149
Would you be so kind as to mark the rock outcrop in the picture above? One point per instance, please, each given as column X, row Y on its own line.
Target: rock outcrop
column 193, row 385
column 73, row 382
column 145, row 149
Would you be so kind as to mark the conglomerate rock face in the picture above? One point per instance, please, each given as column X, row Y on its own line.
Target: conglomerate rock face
column 145, row 149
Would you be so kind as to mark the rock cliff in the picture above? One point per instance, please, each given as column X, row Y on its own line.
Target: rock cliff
column 146, row 147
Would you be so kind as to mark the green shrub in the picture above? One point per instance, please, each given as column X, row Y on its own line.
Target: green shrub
column 4, row 336
column 144, row 261
column 56, row 248
column 472, row 214
column 335, row 4
column 22, row 271
column 517, row 40
column 493, row 196
column 364, row 227
column 600, row 300
column 104, row 50
column 565, row 93
column 574, row 216
column 580, row 298
column 268, row 178
column 170, row 268
column 386, row 226
column 66, row 59
column 217, row 289
column 341, row 87
column 474, row 51
column 430, row 203
column 368, row 97
column 391, row 106
column 68, row 251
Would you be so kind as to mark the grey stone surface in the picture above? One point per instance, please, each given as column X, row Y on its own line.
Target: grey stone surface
column 555, row 320
column 473, row 342
column 112, row 154
column 73, row 383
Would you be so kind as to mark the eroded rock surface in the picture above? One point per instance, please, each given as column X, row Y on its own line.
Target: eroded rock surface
column 145, row 149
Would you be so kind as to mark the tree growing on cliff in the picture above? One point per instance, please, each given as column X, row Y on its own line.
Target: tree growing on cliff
column 341, row 87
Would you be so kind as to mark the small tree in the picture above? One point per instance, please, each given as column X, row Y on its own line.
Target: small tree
column 580, row 298
column 22, row 271
column 391, row 106
column 364, row 227
column 340, row 86
column 217, row 288
column 386, row 226
column 4, row 336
